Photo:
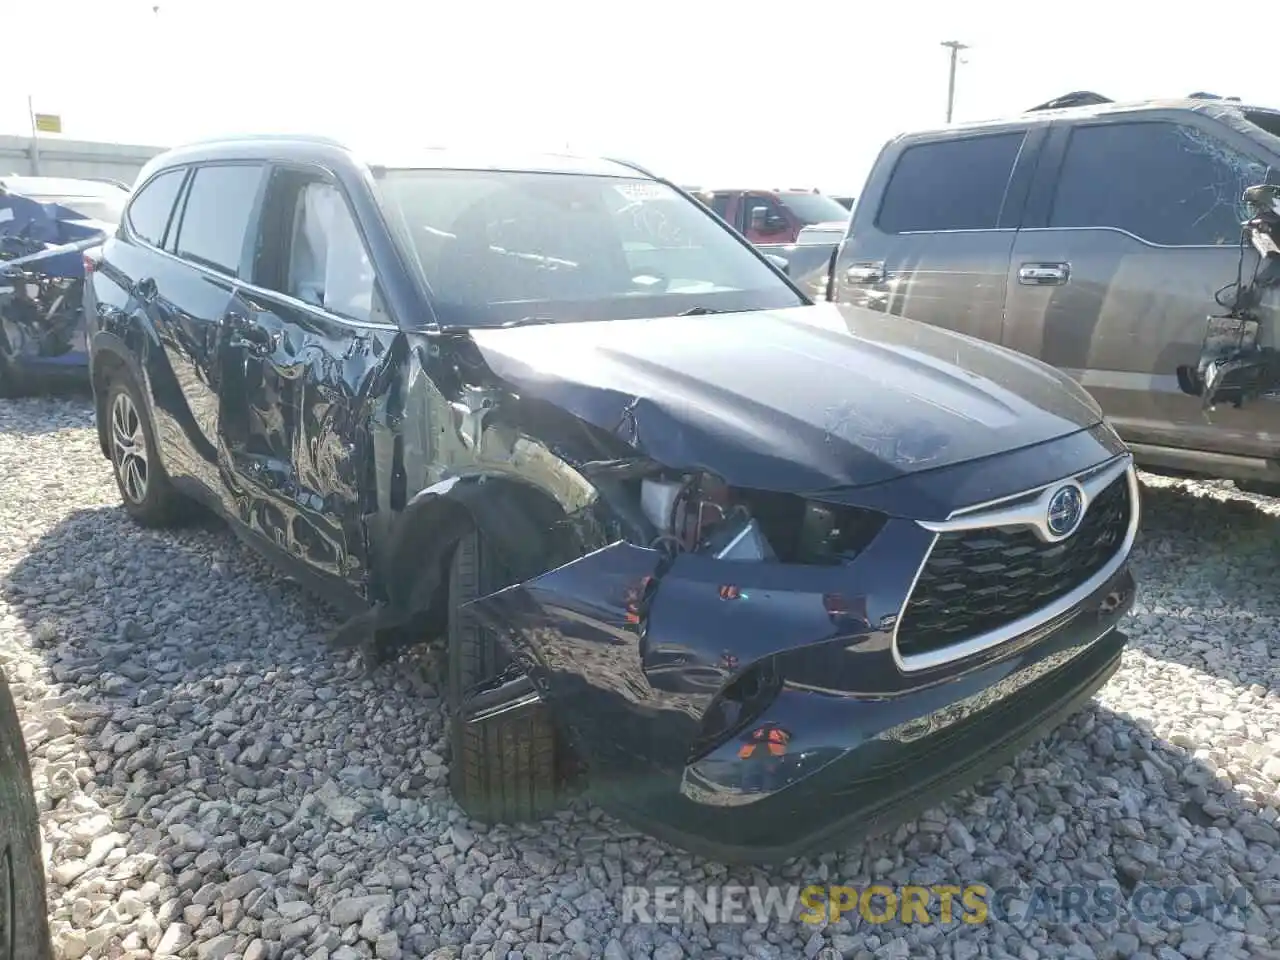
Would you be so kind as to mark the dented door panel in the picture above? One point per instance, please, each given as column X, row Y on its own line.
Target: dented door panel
column 292, row 441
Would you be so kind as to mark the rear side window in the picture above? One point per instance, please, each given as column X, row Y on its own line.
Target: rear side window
column 217, row 215
column 149, row 212
column 1166, row 183
column 720, row 204
column 950, row 184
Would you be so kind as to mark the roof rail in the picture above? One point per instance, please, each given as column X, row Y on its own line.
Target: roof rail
column 1087, row 98
column 267, row 137
column 1077, row 98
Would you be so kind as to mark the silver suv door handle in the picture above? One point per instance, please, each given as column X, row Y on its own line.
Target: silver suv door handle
column 867, row 272
column 1044, row 274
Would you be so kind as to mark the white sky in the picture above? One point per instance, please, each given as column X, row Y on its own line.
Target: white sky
column 801, row 93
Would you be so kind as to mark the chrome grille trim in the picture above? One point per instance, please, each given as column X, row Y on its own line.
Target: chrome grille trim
column 1024, row 511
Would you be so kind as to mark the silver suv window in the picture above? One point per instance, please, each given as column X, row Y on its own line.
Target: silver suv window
column 950, row 184
column 1166, row 183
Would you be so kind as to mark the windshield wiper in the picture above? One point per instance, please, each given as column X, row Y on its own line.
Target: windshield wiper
column 699, row 312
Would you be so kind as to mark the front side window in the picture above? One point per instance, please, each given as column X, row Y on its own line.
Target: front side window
column 328, row 264
column 217, row 215
column 1167, row 183
column 950, row 184
column 499, row 246
column 152, row 206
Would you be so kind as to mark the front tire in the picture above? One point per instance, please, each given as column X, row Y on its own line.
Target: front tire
column 503, row 769
column 24, row 911
column 146, row 491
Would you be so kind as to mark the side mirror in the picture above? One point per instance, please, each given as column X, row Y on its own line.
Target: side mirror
column 759, row 220
column 782, row 263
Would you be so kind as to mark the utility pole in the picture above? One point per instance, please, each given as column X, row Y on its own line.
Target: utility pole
column 35, row 149
column 956, row 46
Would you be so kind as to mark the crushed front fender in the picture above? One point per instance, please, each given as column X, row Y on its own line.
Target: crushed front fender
column 636, row 655
column 633, row 649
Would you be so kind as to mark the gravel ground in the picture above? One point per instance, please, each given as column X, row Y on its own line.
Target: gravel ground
column 216, row 783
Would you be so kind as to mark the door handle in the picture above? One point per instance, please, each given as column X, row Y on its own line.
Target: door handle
column 1044, row 274
column 870, row 272
column 145, row 289
column 247, row 335
column 254, row 339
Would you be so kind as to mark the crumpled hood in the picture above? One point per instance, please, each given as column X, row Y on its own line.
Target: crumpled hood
column 797, row 400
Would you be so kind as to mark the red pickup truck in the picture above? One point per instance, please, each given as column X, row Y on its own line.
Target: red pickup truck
column 772, row 216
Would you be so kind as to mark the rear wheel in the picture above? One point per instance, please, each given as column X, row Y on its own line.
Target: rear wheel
column 504, row 768
column 145, row 489
column 24, row 913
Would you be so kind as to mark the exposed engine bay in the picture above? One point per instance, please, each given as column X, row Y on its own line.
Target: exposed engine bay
column 699, row 513
column 1233, row 366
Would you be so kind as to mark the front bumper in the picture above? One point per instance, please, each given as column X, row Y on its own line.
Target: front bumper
column 855, row 764
column 645, row 663
column 884, row 760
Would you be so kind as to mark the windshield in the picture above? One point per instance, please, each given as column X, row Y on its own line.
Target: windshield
column 813, row 207
column 108, row 209
column 498, row 246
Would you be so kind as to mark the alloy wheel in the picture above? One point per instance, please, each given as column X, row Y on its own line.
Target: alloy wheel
column 129, row 448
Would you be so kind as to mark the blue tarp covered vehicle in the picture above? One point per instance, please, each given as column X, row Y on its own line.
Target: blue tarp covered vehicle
column 46, row 225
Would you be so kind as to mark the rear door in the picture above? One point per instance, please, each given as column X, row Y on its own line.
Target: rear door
column 188, row 296
column 1132, row 226
column 932, row 235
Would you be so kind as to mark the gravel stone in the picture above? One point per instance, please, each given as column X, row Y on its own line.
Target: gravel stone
column 216, row 782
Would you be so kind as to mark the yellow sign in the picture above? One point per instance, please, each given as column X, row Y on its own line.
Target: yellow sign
column 48, row 123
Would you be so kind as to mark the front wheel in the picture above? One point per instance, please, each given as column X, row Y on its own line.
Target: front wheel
column 504, row 768
column 148, row 495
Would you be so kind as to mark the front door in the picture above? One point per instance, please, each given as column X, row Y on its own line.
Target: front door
column 302, row 341
column 1132, row 230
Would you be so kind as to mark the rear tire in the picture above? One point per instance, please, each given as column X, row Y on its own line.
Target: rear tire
column 504, row 769
column 24, row 912
column 146, row 491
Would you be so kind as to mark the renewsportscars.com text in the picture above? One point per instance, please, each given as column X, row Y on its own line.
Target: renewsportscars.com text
column 938, row 903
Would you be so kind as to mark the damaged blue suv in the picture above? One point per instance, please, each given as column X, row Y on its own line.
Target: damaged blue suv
column 774, row 573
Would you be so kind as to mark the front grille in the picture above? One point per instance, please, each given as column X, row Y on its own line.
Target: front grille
column 976, row 581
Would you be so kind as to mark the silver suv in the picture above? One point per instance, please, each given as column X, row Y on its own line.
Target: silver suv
column 1098, row 238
